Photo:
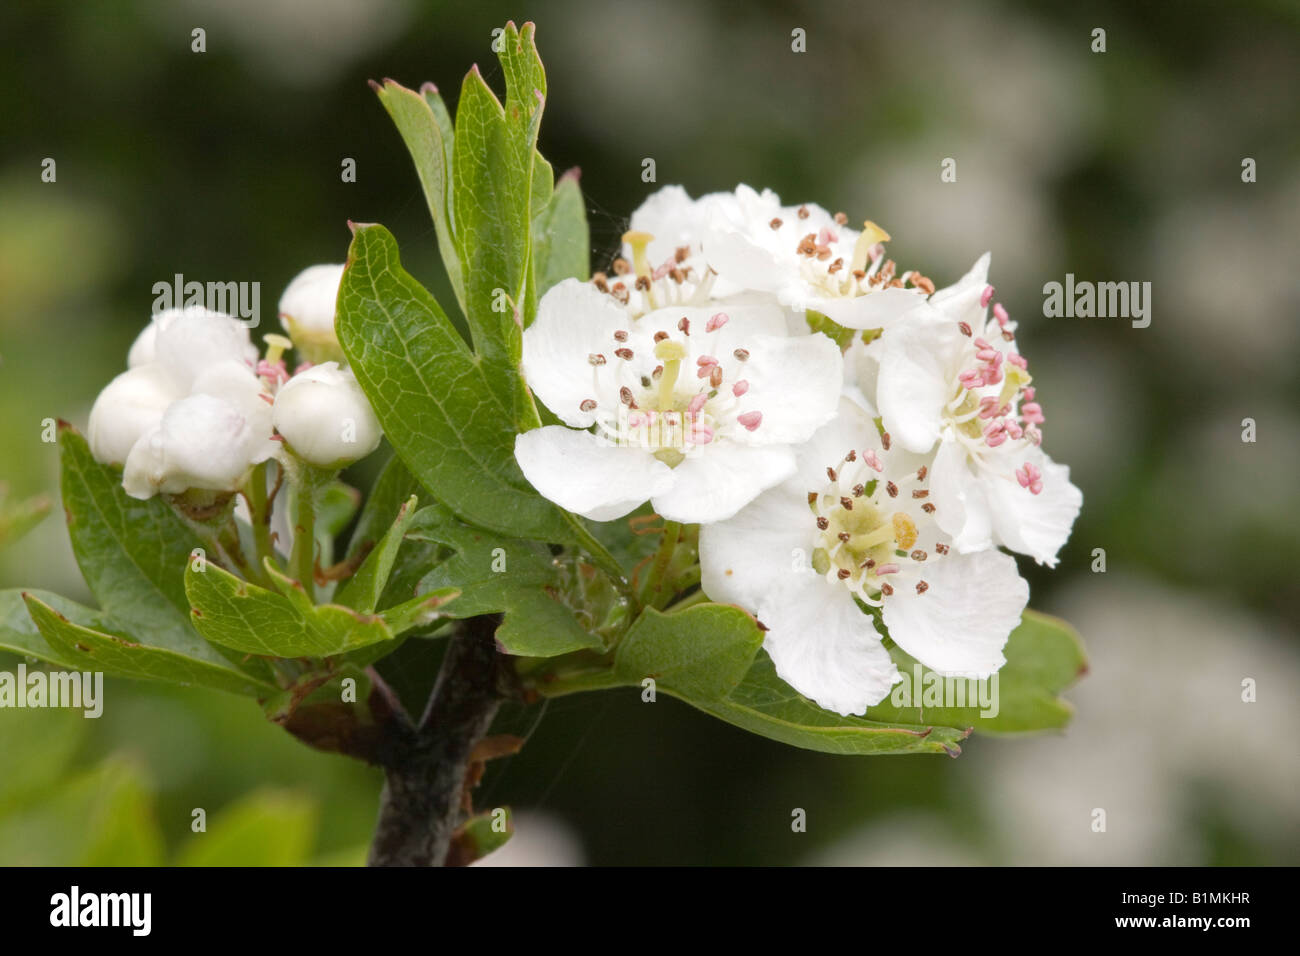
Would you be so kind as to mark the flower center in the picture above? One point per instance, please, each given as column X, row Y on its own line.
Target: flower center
column 994, row 402
column 661, row 408
column 641, row 286
column 868, row 526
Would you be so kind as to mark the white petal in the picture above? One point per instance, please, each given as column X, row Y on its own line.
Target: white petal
column 918, row 372
column 759, row 551
column 237, row 383
column 128, row 407
column 957, row 494
column 795, row 383
column 196, row 338
column 578, row 473
column 850, row 430
column 881, row 309
column 716, row 481
column 825, row 647
column 574, row 321
column 959, row 626
column 737, row 258
column 960, row 301
column 1037, row 525
column 201, row 442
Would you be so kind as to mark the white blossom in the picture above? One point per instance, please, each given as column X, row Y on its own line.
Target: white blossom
column 855, row 527
column 953, row 375
column 695, row 408
column 809, row 259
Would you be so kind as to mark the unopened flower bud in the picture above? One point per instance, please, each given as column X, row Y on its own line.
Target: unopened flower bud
column 325, row 417
column 202, row 442
column 307, row 312
column 128, row 407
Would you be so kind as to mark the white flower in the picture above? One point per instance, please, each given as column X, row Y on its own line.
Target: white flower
column 307, row 311
column 952, row 374
column 858, row 511
column 325, row 417
column 662, row 264
column 202, row 442
column 809, row 259
column 696, row 408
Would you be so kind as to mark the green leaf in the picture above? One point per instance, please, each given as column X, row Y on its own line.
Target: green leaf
column 1044, row 656
column 497, row 575
column 422, row 120
column 391, row 487
column 82, row 647
column 102, row 817
column 419, row 611
column 766, row 705
column 244, row 617
column 434, row 397
column 19, row 517
column 20, row 635
column 266, row 828
column 364, row 589
column 492, row 175
column 561, row 241
column 133, row 554
column 700, row 654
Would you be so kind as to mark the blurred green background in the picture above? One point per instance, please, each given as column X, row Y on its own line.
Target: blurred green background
column 1123, row 166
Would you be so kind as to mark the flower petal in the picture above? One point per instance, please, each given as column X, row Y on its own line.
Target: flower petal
column 957, row 493
column 959, row 626
column 960, row 301
column 578, row 473
column 825, row 647
column 879, row 309
column 918, row 376
column 759, row 551
column 1036, row 525
column 795, row 383
column 719, row 479
column 573, row 321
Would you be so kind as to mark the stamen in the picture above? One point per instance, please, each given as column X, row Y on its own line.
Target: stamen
column 588, row 404
column 716, row 322
column 740, row 388
column 922, row 587
column 986, row 297
column 775, row 224
column 741, row 355
column 750, row 420
column 595, row 358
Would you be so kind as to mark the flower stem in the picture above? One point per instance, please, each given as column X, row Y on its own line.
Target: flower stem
column 259, row 510
column 602, row 558
column 303, row 559
column 651, row 593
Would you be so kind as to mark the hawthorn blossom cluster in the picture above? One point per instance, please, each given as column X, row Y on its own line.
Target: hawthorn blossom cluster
column 199, row 406
column 868, row 475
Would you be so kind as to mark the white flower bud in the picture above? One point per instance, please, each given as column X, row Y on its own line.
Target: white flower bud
column 128, row 407
column 307, row 311
column 202, row 442
column 325, row 417
column 186, row 341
